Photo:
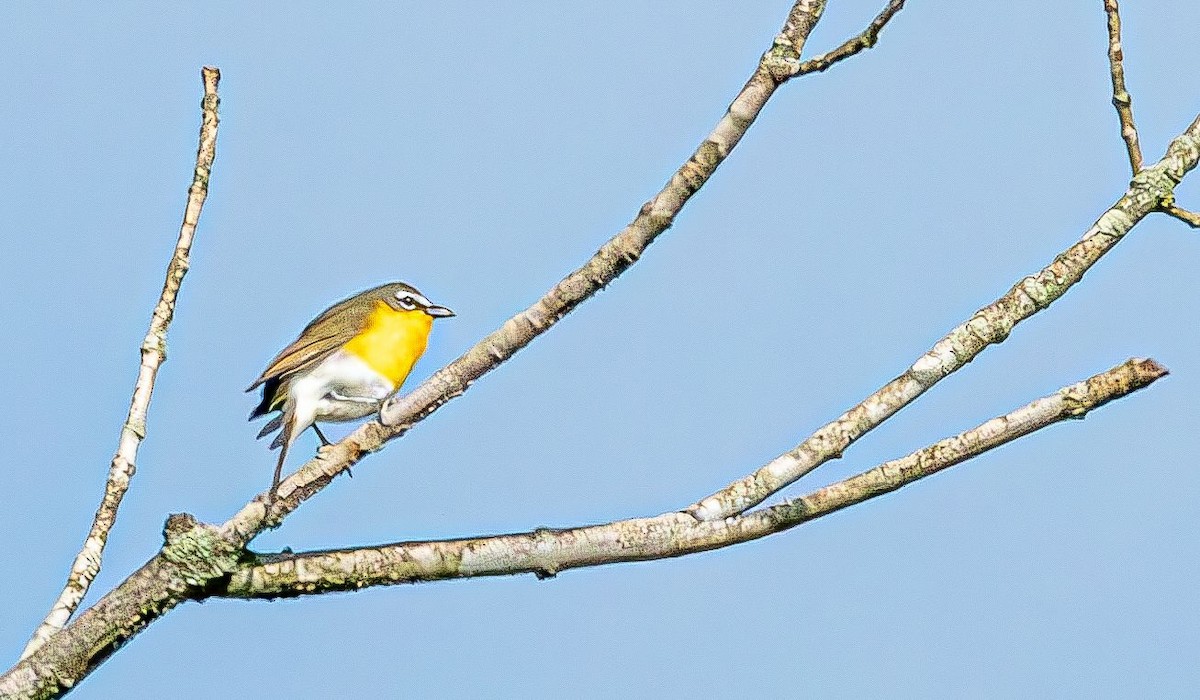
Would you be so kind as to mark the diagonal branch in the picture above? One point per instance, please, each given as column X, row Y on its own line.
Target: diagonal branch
column 777, row 65
column 1123, row 103
column 855, row 44
column 153, row 353
column 546, row 552
column 989, row 325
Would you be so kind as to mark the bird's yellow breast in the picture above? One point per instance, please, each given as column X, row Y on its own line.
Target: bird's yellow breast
column 392, row 341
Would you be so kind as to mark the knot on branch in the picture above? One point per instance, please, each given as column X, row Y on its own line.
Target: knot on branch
column 782, row 60
column 198, row 550
column 1155, row 181
column 155, row 342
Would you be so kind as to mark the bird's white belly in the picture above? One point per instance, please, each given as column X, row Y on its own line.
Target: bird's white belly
column 341, row 388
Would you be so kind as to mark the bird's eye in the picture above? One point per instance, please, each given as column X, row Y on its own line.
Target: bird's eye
column 406, row 301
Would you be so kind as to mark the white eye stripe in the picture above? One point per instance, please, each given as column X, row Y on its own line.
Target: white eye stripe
column 413, row 298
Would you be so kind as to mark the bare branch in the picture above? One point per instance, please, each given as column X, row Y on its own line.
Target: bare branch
column 1190, row 218
column 777, row 65
column 856, row 44
column 1121, row 98
column 546, row 552
column 153, row 354
column 1123, row 102
column 197, row 562
column 989, row 325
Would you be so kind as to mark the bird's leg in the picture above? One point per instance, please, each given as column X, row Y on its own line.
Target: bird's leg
column 326, row 443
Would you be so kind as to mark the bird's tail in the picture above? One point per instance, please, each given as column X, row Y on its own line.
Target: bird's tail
column 286, row 434
column 272, row 425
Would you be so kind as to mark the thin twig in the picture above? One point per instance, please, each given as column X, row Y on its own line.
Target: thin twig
column 989, row 325
column 865, row 40
column 153, row 354
column 1121, row 99
column 1190, row 218
column 546, row 552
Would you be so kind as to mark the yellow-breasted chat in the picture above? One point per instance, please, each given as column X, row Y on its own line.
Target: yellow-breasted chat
column 345, row 363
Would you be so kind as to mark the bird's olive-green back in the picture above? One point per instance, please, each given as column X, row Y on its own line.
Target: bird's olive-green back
column 332, row 329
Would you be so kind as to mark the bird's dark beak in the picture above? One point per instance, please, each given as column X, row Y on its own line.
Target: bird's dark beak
column 438, row 311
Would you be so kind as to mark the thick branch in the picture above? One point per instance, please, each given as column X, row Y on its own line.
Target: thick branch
column 546, row 552
column 989, row 325
column 193, row 555
column 197, row 562
column 154, row 353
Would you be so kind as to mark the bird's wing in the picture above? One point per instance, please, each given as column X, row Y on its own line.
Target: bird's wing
column 301, row 354
column 324, row 336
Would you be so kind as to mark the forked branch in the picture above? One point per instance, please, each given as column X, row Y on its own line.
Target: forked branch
column 855, row 44
column 1123, row 103
column 199, row 561
column 989, row 326
column 546, row 552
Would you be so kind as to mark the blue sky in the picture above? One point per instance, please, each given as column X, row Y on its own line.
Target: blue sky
column 480, row 152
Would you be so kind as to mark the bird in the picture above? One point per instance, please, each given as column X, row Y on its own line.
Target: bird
column 344, row 364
